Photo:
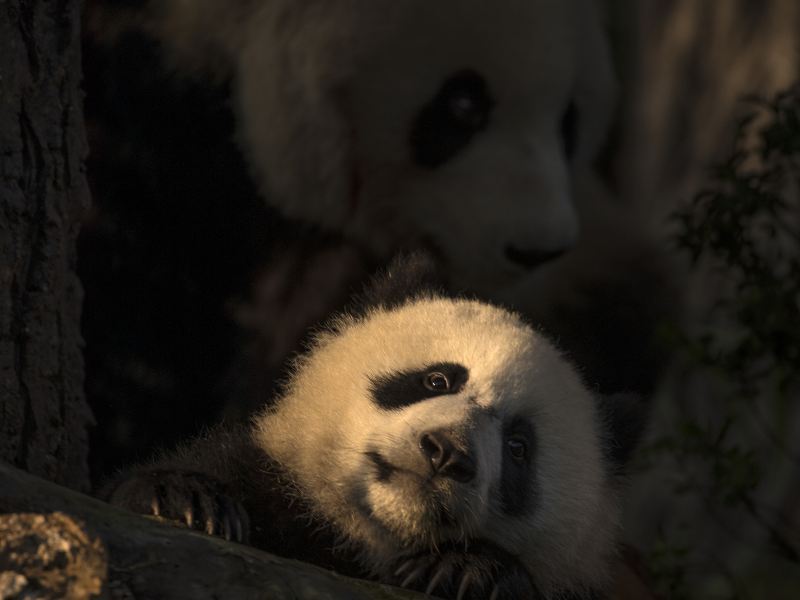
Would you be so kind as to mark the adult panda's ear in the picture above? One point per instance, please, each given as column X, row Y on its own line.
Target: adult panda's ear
column 409, row 275
column 625, row 417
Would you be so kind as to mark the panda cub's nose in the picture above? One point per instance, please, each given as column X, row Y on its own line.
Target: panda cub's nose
column 445, row 458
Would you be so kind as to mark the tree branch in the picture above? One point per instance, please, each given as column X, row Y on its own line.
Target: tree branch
column 144, row 558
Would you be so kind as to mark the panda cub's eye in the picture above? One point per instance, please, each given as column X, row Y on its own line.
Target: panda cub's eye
column 448, row 122
column 437, row 382
column 517, row 448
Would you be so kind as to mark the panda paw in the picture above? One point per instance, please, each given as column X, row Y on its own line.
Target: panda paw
column 191, row 499
column 479, row 573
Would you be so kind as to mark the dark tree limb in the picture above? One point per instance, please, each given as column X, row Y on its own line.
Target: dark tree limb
column 43, row 196
column 147, row 559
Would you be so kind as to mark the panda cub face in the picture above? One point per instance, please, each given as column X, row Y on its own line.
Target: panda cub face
column 448, row 421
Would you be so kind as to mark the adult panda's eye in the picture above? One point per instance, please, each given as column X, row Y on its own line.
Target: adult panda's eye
column 569, row 130
column 468, row 105
column 437, row 382
column 517, row 448
column 447, row 123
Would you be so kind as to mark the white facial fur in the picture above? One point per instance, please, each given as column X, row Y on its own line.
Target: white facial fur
column 328, row 419
column 327, row 93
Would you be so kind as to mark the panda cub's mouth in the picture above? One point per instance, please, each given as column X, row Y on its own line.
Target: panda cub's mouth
column 434, row 497
column 384, row 469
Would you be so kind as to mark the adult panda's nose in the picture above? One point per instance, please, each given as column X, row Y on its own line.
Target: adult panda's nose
column 446, row 459
column 531, row 258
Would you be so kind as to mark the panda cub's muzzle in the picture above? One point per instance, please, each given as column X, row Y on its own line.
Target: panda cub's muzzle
column 429, row 485
column 447, row 456
column 444, row 455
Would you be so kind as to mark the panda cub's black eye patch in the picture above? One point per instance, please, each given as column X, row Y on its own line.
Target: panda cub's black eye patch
column 403, row 388
column 447, row 123
column 517, row 475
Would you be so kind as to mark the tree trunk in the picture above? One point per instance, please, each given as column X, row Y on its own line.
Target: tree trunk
column 43, row 195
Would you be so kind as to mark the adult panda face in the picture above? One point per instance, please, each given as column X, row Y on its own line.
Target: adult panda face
column 459, row 125
column 471, row 122
column 448, row 422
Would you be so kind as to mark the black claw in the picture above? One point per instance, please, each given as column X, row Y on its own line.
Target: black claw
column 453, row 573
column 188, row 517
column 436, row 579
column 413, row 576
column 466, row 581
column 404, row 567
column 237, row 530
column 197, row 511
column 155, row 506
column 243, row 523
column 159, row 500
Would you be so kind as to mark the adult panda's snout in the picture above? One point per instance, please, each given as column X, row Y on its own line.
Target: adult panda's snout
column 446, row 457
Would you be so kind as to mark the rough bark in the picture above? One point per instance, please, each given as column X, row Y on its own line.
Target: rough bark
column 80, row 546
column 43, row 194
column 49, row 555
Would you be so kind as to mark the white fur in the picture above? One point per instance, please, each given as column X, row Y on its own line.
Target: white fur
column 327, row 91
column 326, row 420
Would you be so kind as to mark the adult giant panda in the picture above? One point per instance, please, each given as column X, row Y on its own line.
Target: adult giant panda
column 462, row 126
column 433, row 442
column 386, row 120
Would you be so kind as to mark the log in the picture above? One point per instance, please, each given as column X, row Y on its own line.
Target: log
column 63, row 544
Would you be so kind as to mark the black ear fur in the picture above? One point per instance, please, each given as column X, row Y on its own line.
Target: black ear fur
column 625, row 417
column 408, row 276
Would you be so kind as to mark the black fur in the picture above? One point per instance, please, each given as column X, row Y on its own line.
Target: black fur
column 408, row 276
column 384, row 468
column 401, row 389
column 447, row 124
column 517, row 479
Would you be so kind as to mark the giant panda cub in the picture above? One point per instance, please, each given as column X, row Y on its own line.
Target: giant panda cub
column 427, row 441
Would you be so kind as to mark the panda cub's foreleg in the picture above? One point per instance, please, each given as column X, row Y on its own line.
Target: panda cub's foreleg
column 202, row 484
column 465, row 571
column 196, row 500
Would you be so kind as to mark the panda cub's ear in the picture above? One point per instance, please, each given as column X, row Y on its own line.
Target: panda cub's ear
column 408, row 276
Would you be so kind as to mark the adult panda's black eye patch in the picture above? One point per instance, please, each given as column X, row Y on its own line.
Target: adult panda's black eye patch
column 569, row 130
column 446, row 124
column 397, row 390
